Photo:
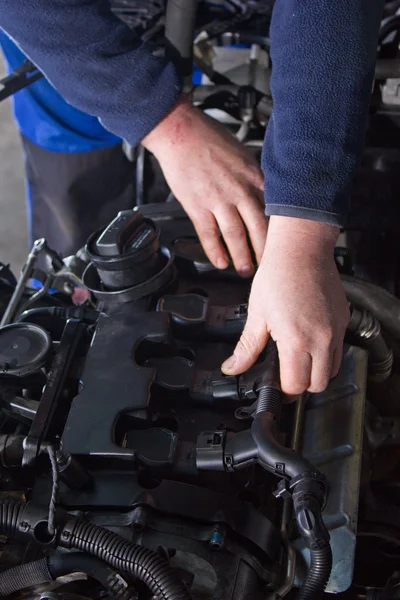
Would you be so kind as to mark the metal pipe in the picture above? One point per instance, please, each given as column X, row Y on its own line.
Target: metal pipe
column 180, row 26
column 26, row 274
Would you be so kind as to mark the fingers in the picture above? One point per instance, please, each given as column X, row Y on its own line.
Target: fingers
column 337, row 361
column 295, row 367
column 234, row 233
column 252, row 342
column 299, row 370
column 321, row 369
column 207, row 230
column 256, row 222
column 302, row 371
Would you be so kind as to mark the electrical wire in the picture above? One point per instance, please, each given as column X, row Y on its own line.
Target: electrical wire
column 52, row 452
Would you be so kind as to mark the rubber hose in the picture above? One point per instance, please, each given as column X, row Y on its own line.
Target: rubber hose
column 180, row 26
column 24, row 576
column 367, row 333
column 384, row 306
column 142, row 563
column 10, row 516
column 48, row 569
column 391, row 26
column 318, row 574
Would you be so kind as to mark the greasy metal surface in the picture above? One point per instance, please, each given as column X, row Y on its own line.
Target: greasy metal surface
column 332, row 441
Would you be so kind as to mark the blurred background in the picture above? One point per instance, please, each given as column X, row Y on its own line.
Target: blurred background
column 13, row 231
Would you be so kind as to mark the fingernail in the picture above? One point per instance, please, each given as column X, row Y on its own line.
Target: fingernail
column 222, row 263
column 229, row 364
column 246, row 271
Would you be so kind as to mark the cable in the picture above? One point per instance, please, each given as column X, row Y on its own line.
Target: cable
column 48, row 569
column 55, row 488
column 24, row 520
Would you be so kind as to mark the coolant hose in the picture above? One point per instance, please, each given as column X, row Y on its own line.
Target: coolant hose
column 384, row 306
column 180, row 26
column 49, row 568
column 300, row 478
column 367, row 333
column 22, row 520
column 317, row 576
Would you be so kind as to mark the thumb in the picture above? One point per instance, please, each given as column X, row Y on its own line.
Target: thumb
column 252, row 342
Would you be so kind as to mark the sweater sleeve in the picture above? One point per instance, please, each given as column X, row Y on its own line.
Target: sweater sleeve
column 323, row 54
column 95, row 61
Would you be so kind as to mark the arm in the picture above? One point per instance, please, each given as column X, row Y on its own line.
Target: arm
column 323, row 55
column 95, row 62
column 100, row 67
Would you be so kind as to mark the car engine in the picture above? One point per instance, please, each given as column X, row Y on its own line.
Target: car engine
column 131, row 467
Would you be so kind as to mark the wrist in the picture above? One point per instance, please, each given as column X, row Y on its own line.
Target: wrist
column 300, row 240
column 172, row 129
column 304, row 231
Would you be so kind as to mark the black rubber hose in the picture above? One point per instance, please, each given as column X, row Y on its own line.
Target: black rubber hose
column 10, row 516
column 48, row 569
column 388, row 28
column 384, row 306
column 366, row 331
column 180, row 26
column 271, row 452
column 318, row 575
column 307, row 503
column 144, row 564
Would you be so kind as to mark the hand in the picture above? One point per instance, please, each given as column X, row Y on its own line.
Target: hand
column 298, row 299
column 217, row 181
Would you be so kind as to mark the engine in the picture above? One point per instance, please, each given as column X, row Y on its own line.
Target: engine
column 131, row 467
column 125, row 449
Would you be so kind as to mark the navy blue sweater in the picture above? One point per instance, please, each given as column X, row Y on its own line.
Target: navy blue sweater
column 323, row 55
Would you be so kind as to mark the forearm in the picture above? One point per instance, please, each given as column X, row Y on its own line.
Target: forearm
column 323, row 55
column 95, row 62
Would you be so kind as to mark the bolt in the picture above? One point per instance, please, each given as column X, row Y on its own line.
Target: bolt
column 139, row 519
column 24, row 525
column 217, row 538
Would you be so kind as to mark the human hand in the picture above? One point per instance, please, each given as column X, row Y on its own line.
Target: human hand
column 218, row 182
column 298, row 299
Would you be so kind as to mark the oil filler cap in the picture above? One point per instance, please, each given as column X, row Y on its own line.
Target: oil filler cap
column 126, row 252
column 24, row 349
column 128, row 232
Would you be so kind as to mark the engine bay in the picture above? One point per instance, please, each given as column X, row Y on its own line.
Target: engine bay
column 131, row 467
column 150, row 441
column 151, row 437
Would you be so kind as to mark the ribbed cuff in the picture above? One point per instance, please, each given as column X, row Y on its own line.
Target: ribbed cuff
column 299, row 212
